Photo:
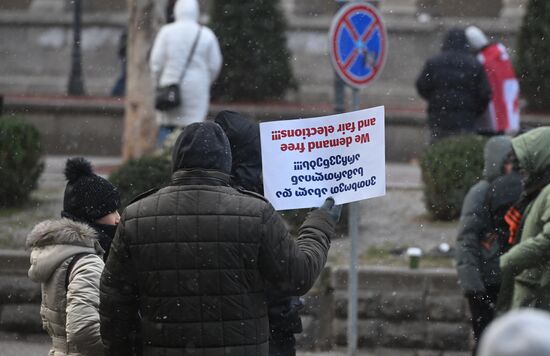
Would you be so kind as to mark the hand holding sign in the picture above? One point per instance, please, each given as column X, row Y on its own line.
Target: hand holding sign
column 342, row 156
column 332, row 209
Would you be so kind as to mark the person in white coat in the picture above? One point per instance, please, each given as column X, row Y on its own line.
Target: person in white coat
column 171, row 50
column 67, row 260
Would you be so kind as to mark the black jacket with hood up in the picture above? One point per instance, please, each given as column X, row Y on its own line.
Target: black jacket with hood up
column 455, row 85
column 482, row 232
column 244, row 137
column 193, row 260
column 246, row 173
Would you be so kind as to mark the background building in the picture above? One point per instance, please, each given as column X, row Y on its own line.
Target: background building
column 36, row 40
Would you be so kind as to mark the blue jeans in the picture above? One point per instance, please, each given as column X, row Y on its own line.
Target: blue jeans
column 164, row 132
column 119, row 89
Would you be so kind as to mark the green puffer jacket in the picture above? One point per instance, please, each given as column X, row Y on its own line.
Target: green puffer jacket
column 526, row 267
column 477, row 267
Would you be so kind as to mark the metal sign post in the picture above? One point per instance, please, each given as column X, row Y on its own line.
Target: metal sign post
column 352, row 275
column 358, row 48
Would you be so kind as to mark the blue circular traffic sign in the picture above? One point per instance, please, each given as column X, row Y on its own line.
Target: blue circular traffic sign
column 358, row 44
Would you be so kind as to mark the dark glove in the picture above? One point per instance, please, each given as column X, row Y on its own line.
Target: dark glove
column 333, row 210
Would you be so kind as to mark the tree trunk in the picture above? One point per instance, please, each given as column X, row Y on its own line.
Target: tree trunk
column 140, row 128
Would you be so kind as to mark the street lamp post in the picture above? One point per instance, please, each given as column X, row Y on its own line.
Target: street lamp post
column 76, row 79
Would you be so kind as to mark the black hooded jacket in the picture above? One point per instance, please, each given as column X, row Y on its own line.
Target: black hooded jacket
column 455, row 85
column 193, row 260
column 246, row 172
column 244, row 138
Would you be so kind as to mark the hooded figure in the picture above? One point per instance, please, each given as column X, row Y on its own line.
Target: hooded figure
column 523, row 332
column 244, row 137
column 526, row 266
column 169, row 55
column 246, row 173
column 481, row 239
column 193, row 259
column 455, row 86
column 67, row 260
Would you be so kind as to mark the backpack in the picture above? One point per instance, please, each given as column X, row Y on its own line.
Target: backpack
column 74, row 260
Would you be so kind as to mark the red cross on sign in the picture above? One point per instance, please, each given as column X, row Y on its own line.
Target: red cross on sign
column 358, row 44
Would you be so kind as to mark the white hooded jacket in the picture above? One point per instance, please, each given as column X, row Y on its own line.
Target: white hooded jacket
column 169, row 55
column 69, row 315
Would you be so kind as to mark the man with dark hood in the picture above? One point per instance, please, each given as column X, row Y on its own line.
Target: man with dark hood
column 244, row 137
column 193, row 259
column 246, row 173
column 482, row 233
column 456, row 88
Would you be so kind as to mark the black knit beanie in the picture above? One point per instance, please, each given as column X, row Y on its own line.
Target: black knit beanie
column 88, row 196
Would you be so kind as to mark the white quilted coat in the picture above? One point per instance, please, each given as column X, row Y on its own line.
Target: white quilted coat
column 169, row 55
column 71, row 317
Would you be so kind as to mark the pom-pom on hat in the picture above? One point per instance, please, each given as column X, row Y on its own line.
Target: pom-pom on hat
column 88, row 196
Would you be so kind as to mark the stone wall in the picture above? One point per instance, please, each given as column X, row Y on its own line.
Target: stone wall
column 19, row 296
column 401, row 312
column 94, row 126
column 37, row 50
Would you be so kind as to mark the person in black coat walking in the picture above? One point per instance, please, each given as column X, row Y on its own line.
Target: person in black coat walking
column 456, row 88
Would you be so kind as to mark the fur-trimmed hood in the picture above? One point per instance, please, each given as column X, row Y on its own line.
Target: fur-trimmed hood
column 53, row 241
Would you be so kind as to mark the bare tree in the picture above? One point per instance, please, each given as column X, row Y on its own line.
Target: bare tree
column 140, row 128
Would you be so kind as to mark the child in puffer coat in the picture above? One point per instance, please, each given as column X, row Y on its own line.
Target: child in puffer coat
column 67, row 259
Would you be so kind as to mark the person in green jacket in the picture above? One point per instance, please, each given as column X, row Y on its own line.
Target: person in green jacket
column 525, row 267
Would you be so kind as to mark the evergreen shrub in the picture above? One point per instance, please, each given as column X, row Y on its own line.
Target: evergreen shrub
column 449, row 168
column 140, row 175
column 533, row 50
column 20, row 161
column 252, row 36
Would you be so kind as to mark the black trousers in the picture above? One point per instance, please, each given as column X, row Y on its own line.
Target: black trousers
column 482, row 308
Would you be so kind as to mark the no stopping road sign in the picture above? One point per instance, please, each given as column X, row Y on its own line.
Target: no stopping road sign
column 358, row 44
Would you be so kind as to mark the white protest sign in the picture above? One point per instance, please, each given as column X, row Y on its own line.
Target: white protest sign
column 307, row 160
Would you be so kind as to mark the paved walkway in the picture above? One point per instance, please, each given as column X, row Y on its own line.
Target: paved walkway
column 41, row 348
column 398, row 219
column 39, row 345
column 398, row 175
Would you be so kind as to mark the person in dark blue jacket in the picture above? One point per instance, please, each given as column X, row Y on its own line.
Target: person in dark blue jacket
column 456, row 87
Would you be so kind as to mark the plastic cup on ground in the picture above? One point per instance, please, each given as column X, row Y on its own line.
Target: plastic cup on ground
column 414, row 254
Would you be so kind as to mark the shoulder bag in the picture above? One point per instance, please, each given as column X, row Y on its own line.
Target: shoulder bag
column 168, row 97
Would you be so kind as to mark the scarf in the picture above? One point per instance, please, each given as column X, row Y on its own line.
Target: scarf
column 514, row 216
column 105, row 233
